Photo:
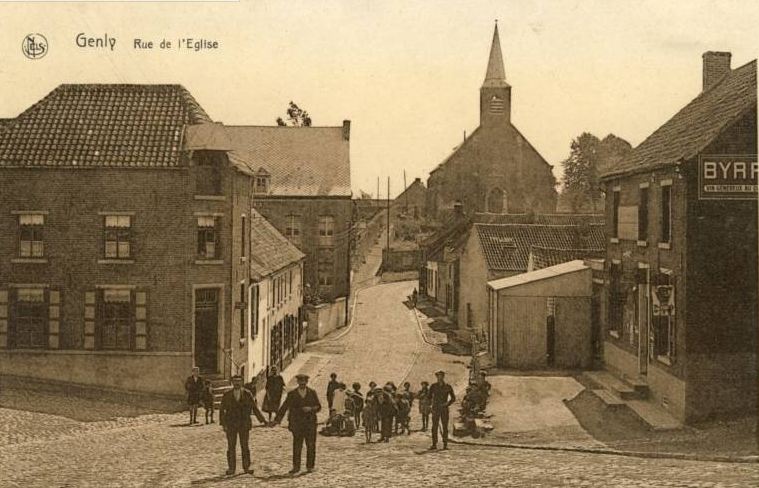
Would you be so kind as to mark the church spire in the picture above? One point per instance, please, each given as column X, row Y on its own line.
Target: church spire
column 495, row 93
column 495, row 74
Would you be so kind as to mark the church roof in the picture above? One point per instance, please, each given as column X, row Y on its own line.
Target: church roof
column 303, row 161
column 694, row 127
column 496, row 74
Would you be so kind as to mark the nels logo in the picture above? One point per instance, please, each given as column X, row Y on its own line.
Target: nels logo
column 34, row 46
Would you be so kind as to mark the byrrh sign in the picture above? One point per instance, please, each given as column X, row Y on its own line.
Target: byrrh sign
column 727, row 177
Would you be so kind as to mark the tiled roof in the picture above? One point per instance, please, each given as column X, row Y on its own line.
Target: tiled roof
column 303, row 161
column 507, row 247
column 546, row 219
column 270, row 250
column 694, row 127
column 449, row 234
column 542, row 274
column 102, row 125
column 543, row 257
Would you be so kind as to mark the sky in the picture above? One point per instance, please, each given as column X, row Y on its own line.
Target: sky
column 406, row 73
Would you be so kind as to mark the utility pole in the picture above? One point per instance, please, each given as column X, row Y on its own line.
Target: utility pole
column 388, row 217
column 378, row 197
column 404, row 191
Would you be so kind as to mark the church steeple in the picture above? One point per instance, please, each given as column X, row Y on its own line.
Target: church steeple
column 495, row 93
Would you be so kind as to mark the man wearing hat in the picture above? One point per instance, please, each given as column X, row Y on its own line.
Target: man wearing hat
column 441, row 397
column 302, row 405
column 236, row 406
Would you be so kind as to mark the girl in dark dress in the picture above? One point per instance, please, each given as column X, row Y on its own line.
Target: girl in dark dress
column 275, row 385
column 425, row 404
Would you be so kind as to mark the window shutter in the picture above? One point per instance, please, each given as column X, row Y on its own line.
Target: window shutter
column 54, row 318
column 3, row 319
column 90, row 308
column 140, row 324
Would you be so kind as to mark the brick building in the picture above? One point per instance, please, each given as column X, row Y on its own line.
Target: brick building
column 412, row 202
column 495, row 169
column 302, row 186
column 680, row 310
column 126, row 243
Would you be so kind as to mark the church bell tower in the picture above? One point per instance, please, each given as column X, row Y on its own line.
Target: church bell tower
column 495, row 93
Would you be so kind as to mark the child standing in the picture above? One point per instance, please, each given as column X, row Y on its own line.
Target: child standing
column 208, row 401
column 402, row 418
column 370, row 415
column 425, row 405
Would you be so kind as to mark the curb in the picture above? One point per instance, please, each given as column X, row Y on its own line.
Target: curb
column 613, row 452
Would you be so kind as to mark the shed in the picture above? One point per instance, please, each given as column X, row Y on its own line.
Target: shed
column 542, row 319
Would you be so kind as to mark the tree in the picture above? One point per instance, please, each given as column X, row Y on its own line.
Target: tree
column 296, row 117
column 581, row 190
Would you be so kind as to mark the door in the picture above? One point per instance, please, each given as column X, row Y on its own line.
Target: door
column 207, row 329
column 551, row 341
column 643, row 329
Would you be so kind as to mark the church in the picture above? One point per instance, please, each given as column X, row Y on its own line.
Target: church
column 495, row 169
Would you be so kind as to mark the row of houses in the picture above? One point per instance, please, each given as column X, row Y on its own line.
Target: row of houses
column 660, row 290
column 143, row 238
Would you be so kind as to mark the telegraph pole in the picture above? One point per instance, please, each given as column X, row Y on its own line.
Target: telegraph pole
column 388, row 217
column 404, row 190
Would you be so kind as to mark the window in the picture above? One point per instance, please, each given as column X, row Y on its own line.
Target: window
column 30, row 318
column 208, row 237
column 253, row 311
column 292, row 227
column 496, row 105
column 261, row 184
column 666, row 213
column 243, row 233
column 643, row 214
column 116, row 319
column 615, row 214
column 118, row 236
column 207, row 173
column 326, row 229
column 31, row 244
column 326, row 267
column 616, row 300
column 663, row 317
column 242, row 310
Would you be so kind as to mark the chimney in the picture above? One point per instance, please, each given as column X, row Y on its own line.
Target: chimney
column 716, row 66
column 417, row 180
column 347, row 130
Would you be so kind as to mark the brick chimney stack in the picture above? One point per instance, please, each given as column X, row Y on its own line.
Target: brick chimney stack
column 716, row 66
column 347, row 130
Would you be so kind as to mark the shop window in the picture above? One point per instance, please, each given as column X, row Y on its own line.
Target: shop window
column 116, row 319
column 118, row 230
column 31, row 243
column 208, row 237
column 30, row 319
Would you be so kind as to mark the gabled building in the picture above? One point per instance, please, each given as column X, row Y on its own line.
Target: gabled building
column 275, row 301
column 495, row 169
column 302, row 186
column 123, row 259
column 496, row 251
column 680, row 294
column 412, row 202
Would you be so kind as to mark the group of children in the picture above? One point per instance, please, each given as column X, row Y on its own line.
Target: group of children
column 386, row 410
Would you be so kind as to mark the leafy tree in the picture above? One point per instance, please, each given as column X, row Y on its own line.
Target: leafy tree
column 296, row 117
column 581, row 190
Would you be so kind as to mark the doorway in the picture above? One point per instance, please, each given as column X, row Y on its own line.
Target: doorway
column 551, row 332
column 207, row 330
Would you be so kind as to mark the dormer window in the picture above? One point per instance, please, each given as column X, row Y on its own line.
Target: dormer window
column 261, row 182
column 496, row 105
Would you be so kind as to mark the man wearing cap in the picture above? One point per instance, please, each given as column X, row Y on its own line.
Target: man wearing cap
column 236, row 406
column 441, row 397
column 302, row 405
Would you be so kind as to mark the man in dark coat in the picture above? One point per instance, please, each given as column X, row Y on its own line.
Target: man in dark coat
column 331, row 387
column 275, row 384
column 194, row 386
column 302, row 405
column 236, row 406
column 441, row 398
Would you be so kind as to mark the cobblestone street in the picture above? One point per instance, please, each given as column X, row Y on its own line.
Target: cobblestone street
column 39, row 449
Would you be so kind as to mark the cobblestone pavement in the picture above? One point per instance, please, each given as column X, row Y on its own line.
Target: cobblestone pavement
column 157, row 454
column 38, row 449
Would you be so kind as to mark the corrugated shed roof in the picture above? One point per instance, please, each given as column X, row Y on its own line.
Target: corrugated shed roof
column 102, row 125
column 695, row 126
column 270, row 250
column 507, row 247
column 303, row 161
column 544, row 257
column 541, row 274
